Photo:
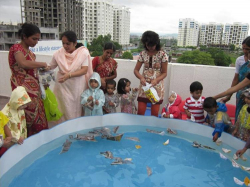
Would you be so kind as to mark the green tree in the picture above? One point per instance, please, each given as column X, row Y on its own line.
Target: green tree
column 232, row 47
column 196, row 57
column 96, row 47
column 220, row 58
column 127, row 55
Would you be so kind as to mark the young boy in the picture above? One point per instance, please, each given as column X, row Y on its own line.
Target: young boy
column 194, row 104
column 171, row 110
column 217, row 117
column 111, row 99
column 93, row 98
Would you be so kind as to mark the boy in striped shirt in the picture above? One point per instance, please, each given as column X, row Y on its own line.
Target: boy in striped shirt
column 194, row 104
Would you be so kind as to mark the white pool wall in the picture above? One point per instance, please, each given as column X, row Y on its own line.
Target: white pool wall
column 16, row 153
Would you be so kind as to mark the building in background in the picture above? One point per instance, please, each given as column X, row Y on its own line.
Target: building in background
column 102, row 17
column 98, row 19
column 121, row 32
column 61, row 14
column 211, row 34
column 235, row 33
column 188, row 32
column 9, row 35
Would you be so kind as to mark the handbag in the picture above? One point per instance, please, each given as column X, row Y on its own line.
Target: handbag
column 51, row 106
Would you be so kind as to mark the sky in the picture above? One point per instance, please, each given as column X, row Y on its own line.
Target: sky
column 161, row 16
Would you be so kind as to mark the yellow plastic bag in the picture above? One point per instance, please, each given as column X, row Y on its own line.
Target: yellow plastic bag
column 151, row 93
column 51, row 106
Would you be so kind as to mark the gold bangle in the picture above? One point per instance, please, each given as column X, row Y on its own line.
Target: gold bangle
column 69, row 75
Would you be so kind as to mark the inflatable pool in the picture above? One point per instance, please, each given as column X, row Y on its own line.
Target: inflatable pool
column 137, row 152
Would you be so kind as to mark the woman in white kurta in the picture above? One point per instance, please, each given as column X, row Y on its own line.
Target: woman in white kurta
column 75, row 68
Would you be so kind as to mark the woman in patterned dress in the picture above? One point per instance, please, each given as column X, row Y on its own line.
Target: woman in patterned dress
column 24, row 72
column 155, row 63
column 105, row 65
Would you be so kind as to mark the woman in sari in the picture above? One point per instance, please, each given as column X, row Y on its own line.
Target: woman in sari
column 105, row 65
column 74, row 70
column 242, row 69
column 24, row 72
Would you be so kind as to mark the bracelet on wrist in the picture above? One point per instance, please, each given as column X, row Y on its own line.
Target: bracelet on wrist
column 69, row 75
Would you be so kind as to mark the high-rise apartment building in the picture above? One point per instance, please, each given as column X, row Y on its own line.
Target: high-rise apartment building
column 61, row 14
column 98, row 19
column 211, row 34
column 121, row 25
column 235, row 33
column 188, row 32
column 87, row 18
column 102, row 17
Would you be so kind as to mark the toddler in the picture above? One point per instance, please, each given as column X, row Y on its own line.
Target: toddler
column 242, row 125
column 14, row 110
column 5, row 134
column 171, row 110
column 194, row 104
column 93, row 98
column 127, row 99
column 111, row 99
column 216, row 117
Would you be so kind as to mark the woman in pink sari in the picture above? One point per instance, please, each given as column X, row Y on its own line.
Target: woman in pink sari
column 74, row 69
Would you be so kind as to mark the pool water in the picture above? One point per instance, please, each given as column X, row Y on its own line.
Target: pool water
column 176, row 164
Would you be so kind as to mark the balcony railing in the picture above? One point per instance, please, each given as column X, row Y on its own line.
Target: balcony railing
column 179, row 76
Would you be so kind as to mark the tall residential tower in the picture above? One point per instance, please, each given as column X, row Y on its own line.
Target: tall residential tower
column 188, row 32
column 61, row 14
column 235, row 33
column 211, row 34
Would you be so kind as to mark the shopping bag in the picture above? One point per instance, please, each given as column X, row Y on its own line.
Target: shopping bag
column 51, row 106
column 151, row 93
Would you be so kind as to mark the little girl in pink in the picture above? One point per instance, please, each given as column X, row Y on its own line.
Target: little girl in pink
column 127, row 99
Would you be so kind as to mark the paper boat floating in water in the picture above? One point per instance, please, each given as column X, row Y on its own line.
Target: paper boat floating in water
column 222, row 156
column 237, row 181
column 166, row 142
column 235, row 164
column 137, row 146
column 226, row 150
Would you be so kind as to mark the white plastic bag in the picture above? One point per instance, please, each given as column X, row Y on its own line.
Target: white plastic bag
column 151, row 93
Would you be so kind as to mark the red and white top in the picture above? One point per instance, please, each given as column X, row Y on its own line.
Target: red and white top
column 195, row 107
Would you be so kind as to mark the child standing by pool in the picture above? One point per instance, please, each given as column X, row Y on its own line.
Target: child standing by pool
column 242, row 125
column 111, row 99
column 127, row 99
column 217, row 118
column 194, row 104
column 14, row 110
column 93, row 98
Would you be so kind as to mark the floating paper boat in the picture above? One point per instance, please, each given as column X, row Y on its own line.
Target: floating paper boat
column 137, row 146
column 107, row 154
column 133, row 139
column 166, row 142
column 66, row 146
column 170, row 131
column 237, row 181
column 149, row 171
column 226, row 150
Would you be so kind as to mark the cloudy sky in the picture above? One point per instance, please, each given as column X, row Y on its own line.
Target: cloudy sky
column 162, row 16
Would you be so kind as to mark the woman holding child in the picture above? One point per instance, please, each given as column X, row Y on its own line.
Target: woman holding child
column 24, row 72
column 105, row 65
column 155, row 62
column 75, row 68
column 242, row 69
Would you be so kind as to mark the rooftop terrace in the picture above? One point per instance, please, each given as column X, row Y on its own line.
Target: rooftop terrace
column 214, row 79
